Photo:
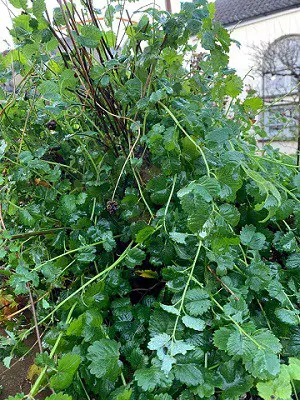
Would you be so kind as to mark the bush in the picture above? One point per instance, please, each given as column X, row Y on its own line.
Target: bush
column 160, row 246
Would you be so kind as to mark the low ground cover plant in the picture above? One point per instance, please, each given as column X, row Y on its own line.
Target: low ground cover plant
column 145, row 241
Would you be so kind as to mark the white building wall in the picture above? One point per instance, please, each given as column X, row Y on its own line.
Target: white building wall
column 263, row 30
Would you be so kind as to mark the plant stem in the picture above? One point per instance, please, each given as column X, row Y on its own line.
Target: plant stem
column 38, row 337
column 40, row 233
column 67, row 253
column 229, row 317
column 222, row 283
column 35, row 388
column 173, row 338
column 188, row 136
column 264, row 314
column 81, row 288
column 169, row 201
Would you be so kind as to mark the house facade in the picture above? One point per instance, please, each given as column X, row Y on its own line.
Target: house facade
column 268, row 60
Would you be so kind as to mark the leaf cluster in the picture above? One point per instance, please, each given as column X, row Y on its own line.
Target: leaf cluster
column 161, row 248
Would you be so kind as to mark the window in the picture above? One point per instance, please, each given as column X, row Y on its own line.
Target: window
column 282, row 121
column 281, row 79
column 281, row 66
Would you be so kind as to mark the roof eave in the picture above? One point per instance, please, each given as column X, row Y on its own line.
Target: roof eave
column 258, row 17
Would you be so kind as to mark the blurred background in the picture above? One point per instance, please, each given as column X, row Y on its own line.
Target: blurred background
column 266, row 55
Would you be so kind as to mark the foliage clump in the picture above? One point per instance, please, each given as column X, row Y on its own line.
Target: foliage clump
column 160, row 246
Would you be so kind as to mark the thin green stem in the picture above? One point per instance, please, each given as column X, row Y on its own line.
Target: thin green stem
column 67, row 253
column 190, row 277
column 264, row 314
column 294, row 389
column 228, row 316
column 35, row 388
column 274, row 161
column 83, row 387
column 142, row 194
column 39, row 233
column 82, row 287
column 169, row 201
column 188, row 136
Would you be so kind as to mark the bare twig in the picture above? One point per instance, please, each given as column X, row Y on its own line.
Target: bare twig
column 25, row 308
column 38, row 336
column 222, row 283
column 1, row 218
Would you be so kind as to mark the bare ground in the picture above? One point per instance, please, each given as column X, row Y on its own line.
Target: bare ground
column 15, row 379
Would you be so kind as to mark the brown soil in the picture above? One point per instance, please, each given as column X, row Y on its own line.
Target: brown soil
column 14, row 380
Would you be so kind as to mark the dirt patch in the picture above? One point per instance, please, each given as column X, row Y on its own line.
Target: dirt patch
column 14, row 380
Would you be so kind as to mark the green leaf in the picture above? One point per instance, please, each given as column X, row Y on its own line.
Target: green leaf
column 150, row 378
column 197, row 302
column 294, row 368
column 109, row 242
column 26, row 157
column 86, row 256
column 178, row 237
column 105, row 80
column 180, row 347
column 90, row 36
column 251, row 238
column 233, row 85
column 258, row 276
column 122, row 394
column 49, row 90
column 38, row 8
column 159, row 341
column 67, row 367
column 219, row 136
column 286, row 242
column 21, row 278
column 26, row 218
column 170, row 309
column 237, row 309
column 144, row 234
column 95, row 296
column 230, row 214
column 257, row 349
column 163, row 396
column 221, row 337
column 188, row 373
column 156, row 96
column 293, row 343
column 278, row 388
column 293, row 261
column 239, row 345
column 3, row 147
column 290, row 317
column 161, row 322
column 207, row 188
column 19, row 4
column 104, row 356
column 253, row 103
column 134, row 257
column 193, row 323
column 195, row 199
column 234, row 382
column 263, row 365
column 207, row 388
column 18, row 396
column 59, row 396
